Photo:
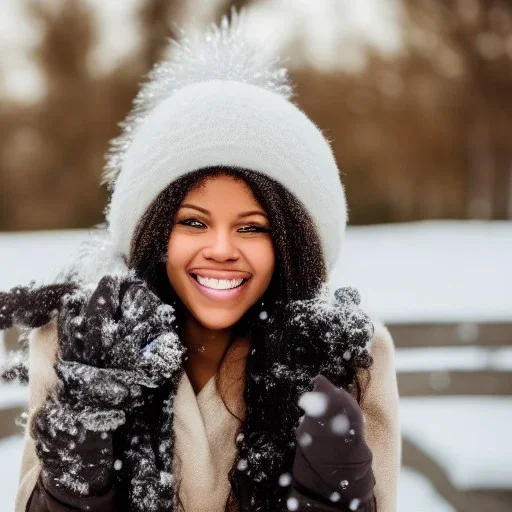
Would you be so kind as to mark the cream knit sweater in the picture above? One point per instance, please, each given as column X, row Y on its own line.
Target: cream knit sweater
column 205, row 430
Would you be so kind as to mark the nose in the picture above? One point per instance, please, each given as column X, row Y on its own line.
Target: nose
column 221, row 247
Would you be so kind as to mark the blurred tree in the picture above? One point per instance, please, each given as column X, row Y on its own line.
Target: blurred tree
column 48, row 154
column 470, row 42
column 422, row 135
column 52, row 153
column 426, row 134
column 156, row 16
column 393, row 150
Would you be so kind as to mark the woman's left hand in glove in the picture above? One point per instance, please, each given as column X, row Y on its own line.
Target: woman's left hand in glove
column 332, row 468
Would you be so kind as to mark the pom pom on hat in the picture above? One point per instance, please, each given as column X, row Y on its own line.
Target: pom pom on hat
column 220, row 53
column 218, row 101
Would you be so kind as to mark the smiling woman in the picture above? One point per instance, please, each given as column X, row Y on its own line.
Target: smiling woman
column 174, row 382
column 220, row 261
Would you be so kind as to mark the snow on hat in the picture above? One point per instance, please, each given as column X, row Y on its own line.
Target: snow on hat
column 218, row 101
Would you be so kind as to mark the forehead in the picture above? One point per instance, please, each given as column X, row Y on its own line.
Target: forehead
column 223, row 190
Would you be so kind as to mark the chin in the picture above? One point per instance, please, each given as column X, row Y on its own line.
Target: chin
column 217, row 321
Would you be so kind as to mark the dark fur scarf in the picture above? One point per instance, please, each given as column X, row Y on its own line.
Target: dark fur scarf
column 322, row 335
column 309, row 337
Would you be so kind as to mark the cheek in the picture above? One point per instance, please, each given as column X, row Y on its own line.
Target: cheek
column 178, row 253
column 262, row 260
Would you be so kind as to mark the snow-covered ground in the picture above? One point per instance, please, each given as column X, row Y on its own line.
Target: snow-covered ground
column 420, row 272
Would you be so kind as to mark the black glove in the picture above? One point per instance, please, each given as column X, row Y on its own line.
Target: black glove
column 120, row 339
column 112, row 343
column 76, row 460
column 332, row 469
column 336, row 328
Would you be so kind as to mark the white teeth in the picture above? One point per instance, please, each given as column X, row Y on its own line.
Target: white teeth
column 219, row 284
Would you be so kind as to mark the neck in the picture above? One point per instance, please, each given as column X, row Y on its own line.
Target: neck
column 205, row 350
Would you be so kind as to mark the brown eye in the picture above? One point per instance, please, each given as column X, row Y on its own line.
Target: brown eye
column 254, row 229
column 194, row 223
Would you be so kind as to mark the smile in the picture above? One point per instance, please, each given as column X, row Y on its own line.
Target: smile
column 219, row 288
column 218, row 284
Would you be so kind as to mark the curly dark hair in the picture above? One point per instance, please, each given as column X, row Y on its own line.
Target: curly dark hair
column 265, row 441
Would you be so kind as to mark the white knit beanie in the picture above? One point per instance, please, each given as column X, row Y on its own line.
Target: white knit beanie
column 218, row 102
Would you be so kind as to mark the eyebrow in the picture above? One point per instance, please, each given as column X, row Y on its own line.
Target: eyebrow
column 206, row 212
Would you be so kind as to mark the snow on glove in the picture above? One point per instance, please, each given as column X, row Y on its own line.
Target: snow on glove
column 75, row 449
column 336, row 328
column 118, row 340
column 332, row 466
column 111, row 343
column 27, row 307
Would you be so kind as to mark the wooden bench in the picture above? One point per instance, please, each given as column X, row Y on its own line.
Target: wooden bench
column 482, row 382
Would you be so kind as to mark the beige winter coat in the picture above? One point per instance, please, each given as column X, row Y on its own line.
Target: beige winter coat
column 205, row 430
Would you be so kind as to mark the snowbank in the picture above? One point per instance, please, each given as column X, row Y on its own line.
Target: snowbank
column 435, row 271
column 467, row 436
column 439, row 271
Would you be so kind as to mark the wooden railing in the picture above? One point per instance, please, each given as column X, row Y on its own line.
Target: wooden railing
column 482, row 382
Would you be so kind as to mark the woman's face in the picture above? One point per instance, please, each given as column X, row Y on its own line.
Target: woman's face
column 220, row 256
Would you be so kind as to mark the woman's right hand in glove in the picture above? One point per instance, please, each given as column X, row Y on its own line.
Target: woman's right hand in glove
column 112, row 343
column 120, row 339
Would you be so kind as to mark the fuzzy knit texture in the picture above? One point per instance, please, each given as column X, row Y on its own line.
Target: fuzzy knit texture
column 199, row 417
column 205, row 446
